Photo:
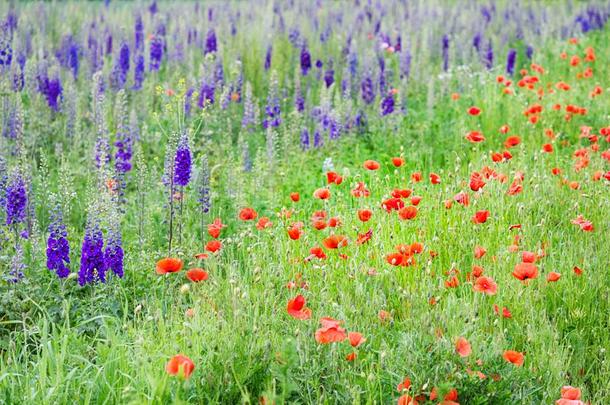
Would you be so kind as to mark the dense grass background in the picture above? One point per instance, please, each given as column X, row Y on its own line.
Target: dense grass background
column 109, row 343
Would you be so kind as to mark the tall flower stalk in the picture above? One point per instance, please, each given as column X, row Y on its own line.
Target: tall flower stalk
column 182, row 173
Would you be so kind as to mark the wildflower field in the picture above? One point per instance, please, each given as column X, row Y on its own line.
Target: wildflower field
column 312, row 202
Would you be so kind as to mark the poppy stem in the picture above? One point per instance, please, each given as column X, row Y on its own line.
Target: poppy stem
column 181, row 218
column 171, row 212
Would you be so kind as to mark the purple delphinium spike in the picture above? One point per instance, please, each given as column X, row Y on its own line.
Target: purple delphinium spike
column 387, row 104
column 124, row 58
column 268, row 55
column 317, row 139
column 476, row 42
column 488, row 58
column 138, row 73
column 120, row 70
column 299, row 100
column 367, row 89
column 305, row 139
column 445, row 44
column 182, row 162
column 17, row 266
column 188, row 101
column 219, row 73
column 51, row 89
column 68, row 54
column 113, row 254
column 510, row 61
column 124, row 141
column 329, row 75
column 294, row 36
column 18, row 72
column 109, row 42
column 58, row 247
column 305, row 60
column 16, row 199
column 210, row 42
column 156, row 52
column 138, row 37
column 6, row 51
column 529, row 52
column 249, row 118
column 92, row 264
column 206, row 94
column 204, row 186
column 3, row 181
column 272, row 109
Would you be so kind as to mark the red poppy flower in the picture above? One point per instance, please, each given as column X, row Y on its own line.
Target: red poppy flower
column 435, row 178
column 452, row 282
column 295, row 197
column 398, row 161
column 570, row 393
column 528, row 257
column 247, row 214
column 480, row 217
column 196, row 275
column 513, row 357
column 476, row 181
column 296, row 308
column 264, row 223
column 295, row 232
column 479, row 252
column 416, row 177
column 512, row 141
column 334, row 222
column 462, row 347
column 505, row 312
column 355, row 339
column 215, row 227
column 407, row 400
column 485, row 285
column 553, row 276
column 462, row 198
column 213, row 246
column 351, row 356
column 475, row 136
column 330, row 332
column 392, row 204
column 404, row 385
column 318, row 252
column 322, row 193
column 584, row 224
column 408, row 212
column 401, row 193
column 547, row 148
column 525, row 271
column 371, row 165
column 169, row 265
column 364, row 215
column 416, row 247
column 180, row 365
column 474, row 111
column 364, row 237
column 335, row 242
column 332, row 177
column 360, row 190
